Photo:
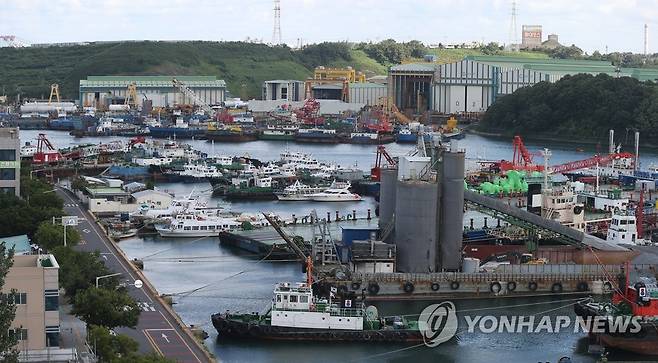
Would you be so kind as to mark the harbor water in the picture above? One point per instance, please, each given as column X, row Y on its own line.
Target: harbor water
column 205, row 277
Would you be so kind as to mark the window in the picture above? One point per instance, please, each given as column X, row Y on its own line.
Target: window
column 52, row 300
column 7, row 174
column 303, row 299
column 52, row 336
column 211, row 227
column 20, row 334
column 8, row 190
column 204, row 228
column 195, row 228
column 278, row 298
column 293, row 298
column 7, row 155
column 20, row 298
column 187, row 228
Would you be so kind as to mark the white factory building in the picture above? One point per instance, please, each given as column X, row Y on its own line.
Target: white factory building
column 103, row 90
column 476, row 82
column 279, row 89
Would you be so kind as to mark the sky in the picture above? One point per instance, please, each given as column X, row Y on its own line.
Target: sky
column 590, row 24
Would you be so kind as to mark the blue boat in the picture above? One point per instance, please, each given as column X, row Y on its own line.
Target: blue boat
column 406, row 136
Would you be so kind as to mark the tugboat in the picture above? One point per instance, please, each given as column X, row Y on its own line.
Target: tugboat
column 297, row 314
column 639, row 302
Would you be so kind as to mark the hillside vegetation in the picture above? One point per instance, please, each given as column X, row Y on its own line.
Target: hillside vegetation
column 577, row 107
column 244, row 66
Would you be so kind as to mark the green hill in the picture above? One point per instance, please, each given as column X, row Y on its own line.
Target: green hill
column 244, row 66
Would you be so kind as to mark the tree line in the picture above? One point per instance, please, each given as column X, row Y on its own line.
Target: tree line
column 101, row 308
column 581, row 106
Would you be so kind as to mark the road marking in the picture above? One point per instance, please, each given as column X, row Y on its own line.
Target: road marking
column 145, row 306
column 153, row 344
column 181, row 338
column 165, row 338
column 83, row 242
column 86, row 230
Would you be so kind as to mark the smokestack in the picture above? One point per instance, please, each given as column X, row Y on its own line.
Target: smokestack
column 646, row 40
column 637, row 151
column 611, row 142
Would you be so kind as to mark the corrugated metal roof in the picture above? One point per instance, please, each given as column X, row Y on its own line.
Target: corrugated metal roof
column 283, row 81
column 522, row 60
column 151, row 81
column 366, row 85
column 415, row 67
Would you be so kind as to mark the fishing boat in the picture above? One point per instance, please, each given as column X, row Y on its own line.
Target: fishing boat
column 406, row 136
column 298, row 192
column 370, row 138
column 279, row 132
column 296, row 313
column 191, row 224
column 234, row 133
column 339, row 192
column 639, row 303
column 317, row 135
column 194, row 172
column 180, row 129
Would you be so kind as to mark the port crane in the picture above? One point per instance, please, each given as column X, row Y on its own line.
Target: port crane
column 382, row 154
column 523, row 160
column 46, row 153
column 193, row 96
column 54, row 93
column 309, row 112
column 131, row 96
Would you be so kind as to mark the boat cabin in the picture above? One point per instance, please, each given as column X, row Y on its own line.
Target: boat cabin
column 622, row 229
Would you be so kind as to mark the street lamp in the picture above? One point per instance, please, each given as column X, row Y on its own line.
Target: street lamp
column 67, row 221
column 106, row 276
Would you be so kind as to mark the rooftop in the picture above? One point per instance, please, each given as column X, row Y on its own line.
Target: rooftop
column 106, row 191
column 415, row 67
column 151, row 81
column 21, row 243
column 148, row 192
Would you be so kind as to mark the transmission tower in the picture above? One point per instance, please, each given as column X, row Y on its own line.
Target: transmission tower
column 513, row 37
column 276, row 33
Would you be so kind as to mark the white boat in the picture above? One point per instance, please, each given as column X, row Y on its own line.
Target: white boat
column 28, row 150
column 199, row 171
column 337, row 193
column 189, row 224
column 298, row 192
column 623, row 229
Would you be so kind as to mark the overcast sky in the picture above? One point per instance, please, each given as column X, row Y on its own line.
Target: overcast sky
column 590, row 24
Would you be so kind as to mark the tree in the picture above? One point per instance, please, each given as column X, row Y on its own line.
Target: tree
column 78, row 270
column 49, row 235
column 7, row 309
column 150, row 185
column 109, row 347
column 106, row 307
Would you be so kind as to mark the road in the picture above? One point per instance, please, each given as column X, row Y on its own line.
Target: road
column 157, row 329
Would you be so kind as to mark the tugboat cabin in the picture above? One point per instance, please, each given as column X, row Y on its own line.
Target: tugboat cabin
column 294, row 306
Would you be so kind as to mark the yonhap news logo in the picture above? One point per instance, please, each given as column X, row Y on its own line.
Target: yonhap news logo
column 438, row 323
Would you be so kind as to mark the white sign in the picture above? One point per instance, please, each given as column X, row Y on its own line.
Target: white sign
column 348, row 303
column 138, row 284
column 643, row 292
column 70, row 220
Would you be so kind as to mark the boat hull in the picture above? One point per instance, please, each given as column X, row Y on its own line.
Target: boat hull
column 407, row 139
column 333, row 199
column 184, row 234
column 231, row 137
column 178, row 132
column 228, row 328
column 317, row 139
column 644, row 342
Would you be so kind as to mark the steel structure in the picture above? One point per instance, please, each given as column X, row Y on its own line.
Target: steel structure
column 193, row 96
column 54, row 92
column 276, row 32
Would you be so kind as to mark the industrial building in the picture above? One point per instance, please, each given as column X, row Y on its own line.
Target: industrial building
column 288, row 90
column 476, row 82
column 531, row 36
column 422, row 202
column 10, row 161
column 368, row 93
column 104, row 90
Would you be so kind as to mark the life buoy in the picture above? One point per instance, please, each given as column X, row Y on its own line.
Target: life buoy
column 511, row 286
column 435, row 286
column 454, row 285
column 495, row 287
column 373, row 288
column 556, row 288
column 356, row 285
column 582, row 286
column 532, row 286
column 408, row 287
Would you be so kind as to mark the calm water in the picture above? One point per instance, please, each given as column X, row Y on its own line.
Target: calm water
column 206, row 277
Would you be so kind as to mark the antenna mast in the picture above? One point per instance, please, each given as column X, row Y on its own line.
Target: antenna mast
column 276, row 33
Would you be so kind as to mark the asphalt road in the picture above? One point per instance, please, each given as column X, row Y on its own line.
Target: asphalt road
column 156, row 329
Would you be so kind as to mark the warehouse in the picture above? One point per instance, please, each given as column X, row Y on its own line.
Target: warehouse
column 368, row 93
column 279, row 89
column 476, row 82
column 102, row 90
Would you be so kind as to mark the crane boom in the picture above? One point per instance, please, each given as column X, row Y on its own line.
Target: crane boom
column 587, row 163
column 189, row 93
column 293, row 246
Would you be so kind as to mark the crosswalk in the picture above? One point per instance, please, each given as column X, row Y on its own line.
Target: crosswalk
column 70, row 205
column 144, row 306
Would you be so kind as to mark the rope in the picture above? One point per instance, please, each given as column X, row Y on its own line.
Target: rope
column 189, row 292
column 610, row 277
column 169, row 249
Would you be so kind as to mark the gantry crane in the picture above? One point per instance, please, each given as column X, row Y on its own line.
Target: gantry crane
column 54, row 92
column 131, row 96
column 193, row 96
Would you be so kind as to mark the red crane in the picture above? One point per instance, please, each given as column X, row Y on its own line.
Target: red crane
column 46, row 153
column 376, row 171
column 309, row 112
column 522, row 158
column 588, row 163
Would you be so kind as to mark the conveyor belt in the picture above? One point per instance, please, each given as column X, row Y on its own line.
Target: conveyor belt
column 567, row 234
